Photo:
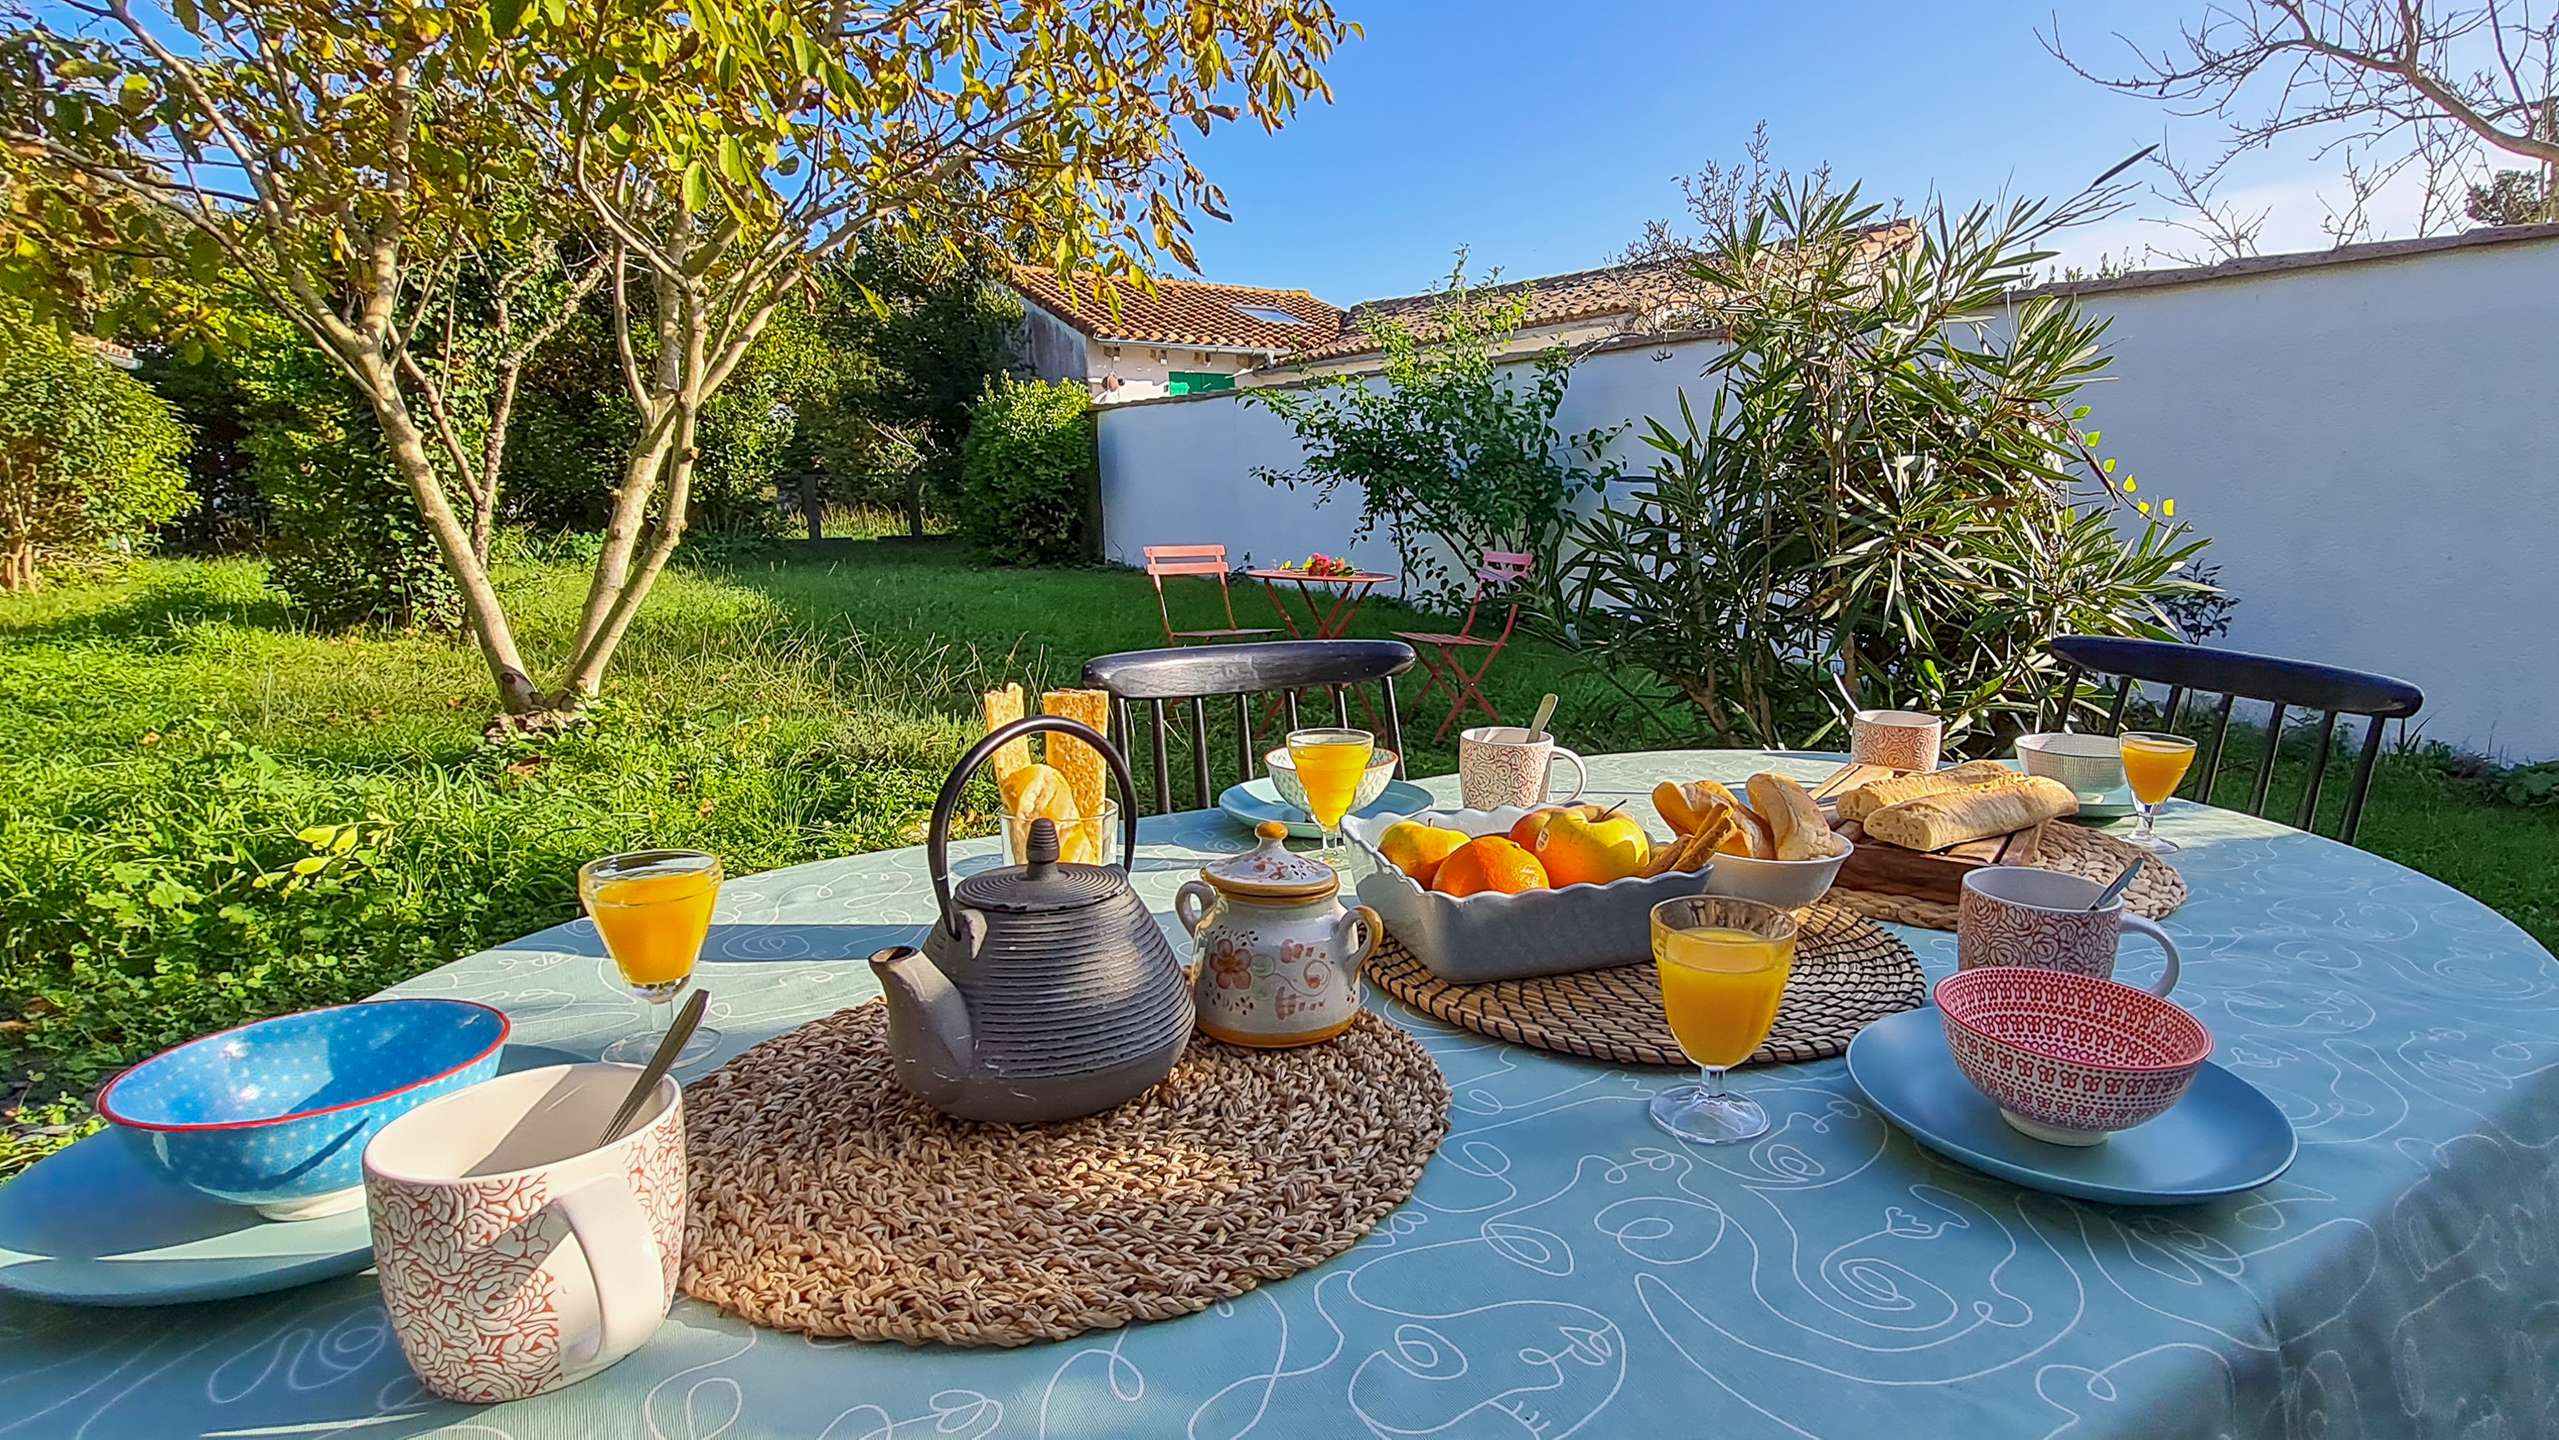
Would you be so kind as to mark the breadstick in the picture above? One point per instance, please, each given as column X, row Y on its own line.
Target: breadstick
column 1080, row 763
column 1003, row 706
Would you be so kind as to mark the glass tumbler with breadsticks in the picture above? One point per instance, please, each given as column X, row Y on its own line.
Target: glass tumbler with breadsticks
column 1069, row 787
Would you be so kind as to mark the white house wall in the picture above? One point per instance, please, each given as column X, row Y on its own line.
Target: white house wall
column 2372, row 446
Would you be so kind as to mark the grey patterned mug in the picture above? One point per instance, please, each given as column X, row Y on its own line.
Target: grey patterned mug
column 2018, row 915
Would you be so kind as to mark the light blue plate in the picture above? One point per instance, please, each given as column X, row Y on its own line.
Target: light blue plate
column 103, row 1223
column 2224, row 1137
column 1255, row 801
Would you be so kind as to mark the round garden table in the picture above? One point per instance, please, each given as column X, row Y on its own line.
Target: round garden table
column 1565, row 1269
column 1327, row 618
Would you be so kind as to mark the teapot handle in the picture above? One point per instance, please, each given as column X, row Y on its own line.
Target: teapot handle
column 937, row 846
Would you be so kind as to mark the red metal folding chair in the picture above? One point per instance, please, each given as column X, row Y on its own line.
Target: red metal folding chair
column 1443, row 654
column 1163, row 560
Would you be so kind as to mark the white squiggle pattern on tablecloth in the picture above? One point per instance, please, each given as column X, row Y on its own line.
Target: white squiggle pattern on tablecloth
column 1564, row 1270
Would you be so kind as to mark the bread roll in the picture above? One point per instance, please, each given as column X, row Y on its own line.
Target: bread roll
column 1933, row 822
column 1794, row 819
column 1866, row 799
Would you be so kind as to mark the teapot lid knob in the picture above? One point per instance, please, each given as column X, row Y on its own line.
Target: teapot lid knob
column 1041, row 852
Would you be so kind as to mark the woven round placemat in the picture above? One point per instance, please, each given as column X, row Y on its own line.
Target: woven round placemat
column 828, row 1201
column 1848, row 974
column 2071, row 849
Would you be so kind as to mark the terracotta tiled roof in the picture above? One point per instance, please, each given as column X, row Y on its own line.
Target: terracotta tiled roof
column 1637, row 290
column 1184, row 312
column 1650, row 295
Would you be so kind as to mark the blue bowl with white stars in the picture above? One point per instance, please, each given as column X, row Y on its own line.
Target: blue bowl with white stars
column 276, row 1115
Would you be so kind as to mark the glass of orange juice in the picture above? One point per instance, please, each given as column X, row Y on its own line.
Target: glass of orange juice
column 1329, row 766
column 2154, row 765
column 653, row 908
column 1723, row 964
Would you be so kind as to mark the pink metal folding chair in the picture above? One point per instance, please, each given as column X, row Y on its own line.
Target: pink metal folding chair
column 1442, row 654
column 1163, row 560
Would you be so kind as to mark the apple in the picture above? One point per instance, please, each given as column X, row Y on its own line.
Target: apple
column 1584, row 844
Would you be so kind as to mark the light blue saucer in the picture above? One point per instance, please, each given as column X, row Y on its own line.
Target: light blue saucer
column 2224, row 1137
column 103, row 1223
column 1255, row 801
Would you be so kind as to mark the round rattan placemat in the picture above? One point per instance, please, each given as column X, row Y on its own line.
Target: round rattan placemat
column 2071, row 849
column 828, row 1201
column 1849, row 973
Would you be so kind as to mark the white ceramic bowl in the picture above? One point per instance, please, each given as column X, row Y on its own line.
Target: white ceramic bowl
column 1372, row 781
column 1788, row 884
column 2091, row 765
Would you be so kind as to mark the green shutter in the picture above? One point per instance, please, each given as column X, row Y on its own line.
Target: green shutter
column 1196, row 382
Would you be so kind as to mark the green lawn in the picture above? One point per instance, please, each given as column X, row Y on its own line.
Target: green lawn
column 174, row 745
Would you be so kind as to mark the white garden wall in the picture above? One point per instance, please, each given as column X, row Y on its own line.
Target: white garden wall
column 2372, row 443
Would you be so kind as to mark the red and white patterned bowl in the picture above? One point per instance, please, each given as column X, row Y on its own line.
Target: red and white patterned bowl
column 2069, row 1058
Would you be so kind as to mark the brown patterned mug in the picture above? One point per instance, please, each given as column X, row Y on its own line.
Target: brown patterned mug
column 516, row 1254
column 2019, row 915
column 1895, row 739
column 1500, row 765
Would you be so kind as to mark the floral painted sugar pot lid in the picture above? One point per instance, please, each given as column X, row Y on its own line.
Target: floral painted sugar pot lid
column 1269, row 871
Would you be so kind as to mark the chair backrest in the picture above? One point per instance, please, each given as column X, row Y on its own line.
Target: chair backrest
column 1500, row 574
column 1163, row 560
column 1192, row 677
column 2235, row 676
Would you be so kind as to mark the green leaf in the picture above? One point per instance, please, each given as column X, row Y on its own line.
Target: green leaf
column 506, row 17
column 697, row 187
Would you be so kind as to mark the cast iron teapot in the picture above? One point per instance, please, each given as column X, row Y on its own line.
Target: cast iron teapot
column 1044, row 991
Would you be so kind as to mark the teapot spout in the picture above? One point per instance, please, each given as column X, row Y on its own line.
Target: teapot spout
column 928, row 1017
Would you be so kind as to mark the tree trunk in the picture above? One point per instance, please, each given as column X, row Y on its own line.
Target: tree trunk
column 915, row 508
column 18, row 564
column 481, row 612
column 812, row 506
column 586, row 673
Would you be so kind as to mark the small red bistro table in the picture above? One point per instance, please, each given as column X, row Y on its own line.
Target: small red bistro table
column 1329, row 615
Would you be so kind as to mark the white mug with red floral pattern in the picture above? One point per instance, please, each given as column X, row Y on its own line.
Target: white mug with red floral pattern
column 517, row 1255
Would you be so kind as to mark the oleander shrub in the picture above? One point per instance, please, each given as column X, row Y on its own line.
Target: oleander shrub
column 1028, row 472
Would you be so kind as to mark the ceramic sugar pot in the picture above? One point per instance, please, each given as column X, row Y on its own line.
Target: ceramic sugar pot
column 1278, row 954
column 1043, row 991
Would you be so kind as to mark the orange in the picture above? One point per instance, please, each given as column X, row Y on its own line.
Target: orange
column 1489, row 863
column 1417, row 849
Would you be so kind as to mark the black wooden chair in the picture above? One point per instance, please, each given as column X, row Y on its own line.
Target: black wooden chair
column 2235, row 676
column 1193, row 676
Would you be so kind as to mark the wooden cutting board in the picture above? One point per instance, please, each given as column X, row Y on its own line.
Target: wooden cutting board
column 1930, row 874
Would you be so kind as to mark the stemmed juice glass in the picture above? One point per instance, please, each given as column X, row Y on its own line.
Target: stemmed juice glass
column 1329, row 764
column 1723, row 964
column 653, row 908
column 2154, row 765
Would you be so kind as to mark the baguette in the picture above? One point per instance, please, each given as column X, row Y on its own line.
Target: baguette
column 1933, row 822
column 1866, row 799
column 1793, row 818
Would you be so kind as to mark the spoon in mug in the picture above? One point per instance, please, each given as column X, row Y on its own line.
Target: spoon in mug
column 659, row 1064
column 2118, row 885
column 1545, row 712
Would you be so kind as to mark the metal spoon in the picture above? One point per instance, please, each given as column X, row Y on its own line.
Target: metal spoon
column 659, row 1064
column 1545, row 712
column 2118, row 885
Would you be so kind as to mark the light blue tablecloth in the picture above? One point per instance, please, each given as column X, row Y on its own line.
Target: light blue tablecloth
column 1565, row 1269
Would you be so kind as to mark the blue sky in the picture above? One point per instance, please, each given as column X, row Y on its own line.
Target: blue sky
column 1543, row 135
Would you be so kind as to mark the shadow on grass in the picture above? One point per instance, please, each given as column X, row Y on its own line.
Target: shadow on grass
column 155, row 614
